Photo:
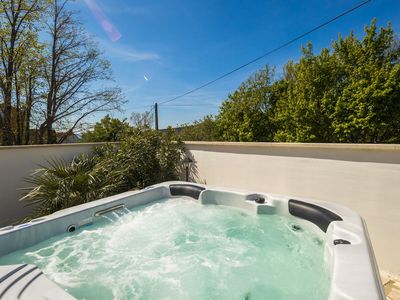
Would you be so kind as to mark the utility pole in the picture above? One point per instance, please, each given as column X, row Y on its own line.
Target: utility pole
column 156, row 116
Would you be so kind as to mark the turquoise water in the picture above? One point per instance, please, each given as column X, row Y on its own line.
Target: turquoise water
column 178, row 249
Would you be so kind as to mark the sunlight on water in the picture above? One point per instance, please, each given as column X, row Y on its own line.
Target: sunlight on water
column 178, row 249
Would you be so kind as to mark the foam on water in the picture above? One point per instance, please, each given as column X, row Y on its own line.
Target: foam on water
column 178, row 249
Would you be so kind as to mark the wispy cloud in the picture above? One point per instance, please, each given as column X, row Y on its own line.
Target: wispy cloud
column 126, row 53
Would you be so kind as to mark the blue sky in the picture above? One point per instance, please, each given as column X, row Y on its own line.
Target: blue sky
column 179, row 45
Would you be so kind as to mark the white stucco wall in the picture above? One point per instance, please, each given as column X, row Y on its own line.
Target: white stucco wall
column 17, row 162
column 365, row 178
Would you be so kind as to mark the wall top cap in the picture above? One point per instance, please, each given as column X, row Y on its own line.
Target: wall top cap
column 343, row 146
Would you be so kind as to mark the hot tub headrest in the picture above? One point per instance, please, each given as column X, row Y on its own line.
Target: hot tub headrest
column 189, row 190
column 313, row 213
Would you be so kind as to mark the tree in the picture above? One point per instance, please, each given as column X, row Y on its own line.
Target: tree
column 350, row 93
column 74, row 65
column 247, row 114
column 304, row 113
column 49, row 85
column 368, row 105
column 28, row 84
column 205, row 129
column 17, row 31
column 107, row 130
column 142, row 120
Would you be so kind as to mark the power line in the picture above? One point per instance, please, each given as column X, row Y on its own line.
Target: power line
column 270, row 52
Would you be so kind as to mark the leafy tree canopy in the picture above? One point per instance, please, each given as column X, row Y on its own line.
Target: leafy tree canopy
column 246, row 114
column 205, row 129
column 107, row 130
column 349, row 93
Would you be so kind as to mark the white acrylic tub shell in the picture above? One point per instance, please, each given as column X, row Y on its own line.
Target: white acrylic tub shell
column 354, row 272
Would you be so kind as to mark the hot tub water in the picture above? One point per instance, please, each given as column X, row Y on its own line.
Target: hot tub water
column 179, row 249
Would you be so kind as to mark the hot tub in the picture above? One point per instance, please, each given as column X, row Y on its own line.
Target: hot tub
column 179, row 240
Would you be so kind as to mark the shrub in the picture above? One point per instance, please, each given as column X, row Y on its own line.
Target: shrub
column 144, row 157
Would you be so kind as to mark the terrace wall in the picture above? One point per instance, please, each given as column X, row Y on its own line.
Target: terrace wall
column 17, row 162
column 365, row 178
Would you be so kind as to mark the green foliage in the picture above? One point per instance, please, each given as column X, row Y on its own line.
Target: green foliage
column 205, row 129
column 368, row 105
column 52, row 74
column 349, row 93
column 144, row 157
column 20, row 53
column 107, row 130
column 61, row 185
column 246, row 115
column 147, row 157
column 303, row 114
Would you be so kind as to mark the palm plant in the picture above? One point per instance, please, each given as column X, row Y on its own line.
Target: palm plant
column 60, row 184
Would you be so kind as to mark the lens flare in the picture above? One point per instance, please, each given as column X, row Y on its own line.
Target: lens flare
column 111, row 31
